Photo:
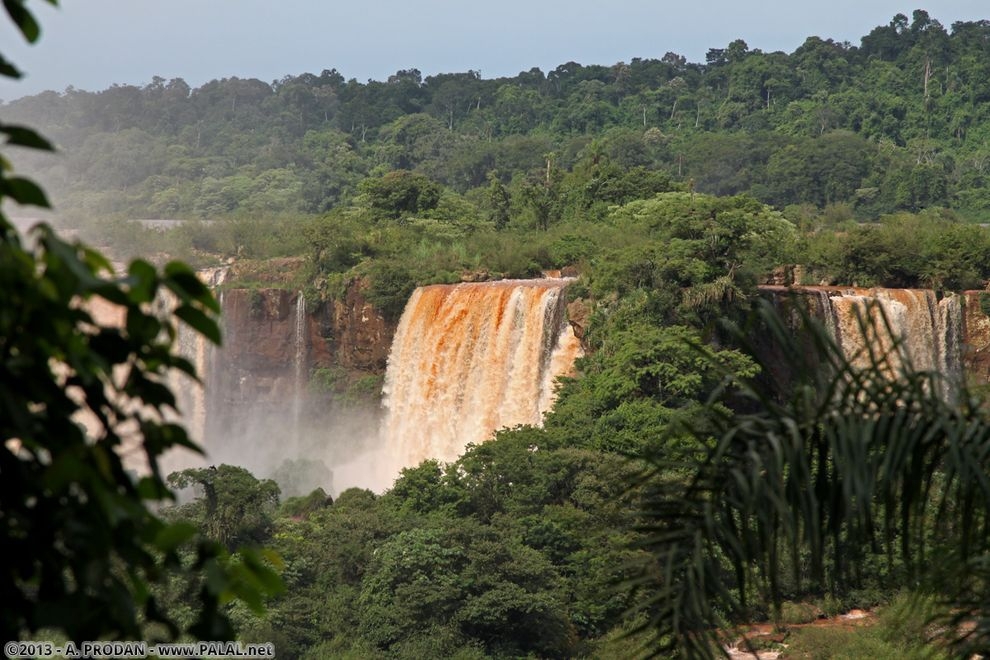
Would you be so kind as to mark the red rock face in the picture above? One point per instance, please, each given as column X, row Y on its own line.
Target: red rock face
column 271, row 346
column 258, row 331
column 262, row 335
column 579, row 316
column 976, row 337
column 254, row 370
column 356, row 337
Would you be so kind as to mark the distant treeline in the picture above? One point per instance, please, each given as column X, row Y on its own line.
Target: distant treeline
column 900, row 122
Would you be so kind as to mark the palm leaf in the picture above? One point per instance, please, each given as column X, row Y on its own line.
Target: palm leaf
column 823, row 460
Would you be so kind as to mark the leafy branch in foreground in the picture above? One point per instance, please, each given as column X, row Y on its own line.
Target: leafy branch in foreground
column 850, row 457
column 81, row 546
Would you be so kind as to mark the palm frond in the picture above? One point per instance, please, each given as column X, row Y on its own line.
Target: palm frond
column 828, row 457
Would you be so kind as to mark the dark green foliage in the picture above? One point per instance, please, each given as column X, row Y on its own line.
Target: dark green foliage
column 849, row 467
column 336, row 243
column 468, row 576
column 517, row 548
column 390, row 288
column 234, row 508
column 401, row 193
column 924, row 251
column 613, row 184
column 820, row 171
column 641, row 380
column 499, row 201
column 541, row 195
column 904, row 115
column 701, row 253
column 304, row 505
column 83, row 548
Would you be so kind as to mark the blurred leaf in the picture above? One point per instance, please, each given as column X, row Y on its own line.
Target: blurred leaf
column 200, row 322
column 184, row 282
column 143, row 280
column 172, row 536
column 22, row 136
column 142, row 327
column 24, row 191
column 23, row 19
column 7, row 69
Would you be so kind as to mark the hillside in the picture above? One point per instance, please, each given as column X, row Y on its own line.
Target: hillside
column 897, row 122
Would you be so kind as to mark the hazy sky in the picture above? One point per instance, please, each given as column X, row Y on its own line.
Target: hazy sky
column 92, row 44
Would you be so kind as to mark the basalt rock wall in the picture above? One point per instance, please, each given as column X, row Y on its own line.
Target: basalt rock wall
column 355, row 335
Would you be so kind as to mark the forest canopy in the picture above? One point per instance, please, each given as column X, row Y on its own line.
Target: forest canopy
column 896, row 123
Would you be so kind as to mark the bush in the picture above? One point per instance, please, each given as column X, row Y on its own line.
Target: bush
column 401, row 193
column 792, row 613
column 390, row 288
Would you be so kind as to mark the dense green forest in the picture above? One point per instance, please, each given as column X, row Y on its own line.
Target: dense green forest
column 672, row 189
column 898, row 122
column 831, row 135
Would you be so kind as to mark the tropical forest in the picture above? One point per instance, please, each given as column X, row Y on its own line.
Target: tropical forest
column 654, row 358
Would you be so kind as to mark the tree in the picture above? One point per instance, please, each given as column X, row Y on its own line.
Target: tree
column 462, row 579
column 704, row 254
column 401, row 193
column 542, row 194
column 499, row 201
column 642, row 379
column 81, row 544
column 823, row 469
column 825, row 170
column 235, row 507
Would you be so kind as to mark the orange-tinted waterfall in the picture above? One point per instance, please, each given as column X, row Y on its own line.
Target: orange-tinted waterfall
column 929, row 328
column 469, row 359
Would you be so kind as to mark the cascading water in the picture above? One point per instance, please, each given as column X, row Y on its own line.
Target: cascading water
column 191, row 395
column 300, row 367
column 469, row 359
column 916, row 318
column 929, row 330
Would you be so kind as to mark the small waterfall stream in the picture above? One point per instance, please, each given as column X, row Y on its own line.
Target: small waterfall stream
column 301, row 369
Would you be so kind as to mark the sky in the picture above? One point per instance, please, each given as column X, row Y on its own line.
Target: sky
column 93, row 44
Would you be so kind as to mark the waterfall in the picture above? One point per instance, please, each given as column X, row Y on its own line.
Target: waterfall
column 951, row 327
column 301, row 370
column 926, row 327
column 192, row 396
column 469, row 359
column 928, row 330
